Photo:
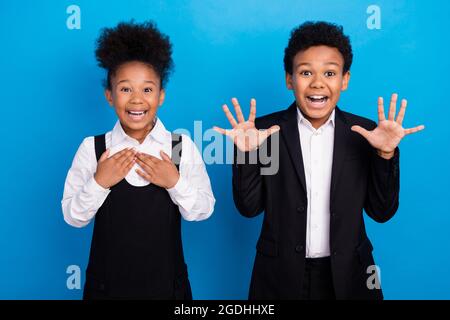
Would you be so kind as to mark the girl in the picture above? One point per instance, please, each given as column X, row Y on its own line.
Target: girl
column 138, row 178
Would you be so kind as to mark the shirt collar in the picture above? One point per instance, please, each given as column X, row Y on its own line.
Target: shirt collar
column 301, row 118
column 158, row 133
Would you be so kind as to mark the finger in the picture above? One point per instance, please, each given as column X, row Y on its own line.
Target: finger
column 229, row 116
column 223, row 131
column 164, row 156
column 220, row 130
column 238, row 110
column 147, row 170
column 381, row 116
column 252, row 116
column 130, row 165
column 401, row 113
column 125, row 156
column 361, row 131
column 126, row 163
column 144, row 175
column 392, row 106
column 104, row 156
column 147, row 158
column 120, row 153
column 147, row 166
column 272, row 130
column 264, row 134
column 414, row 130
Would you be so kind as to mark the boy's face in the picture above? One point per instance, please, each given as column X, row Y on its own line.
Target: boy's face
column 317, row 80
column 135, row 95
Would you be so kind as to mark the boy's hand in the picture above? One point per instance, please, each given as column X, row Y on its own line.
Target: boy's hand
column 244, row 133
column 388, row 134
column 162, row 173
column 111, row 170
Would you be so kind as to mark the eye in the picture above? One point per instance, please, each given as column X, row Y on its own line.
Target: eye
column 330, row 74
column 305, row 73
column 125, row 89
column 148, row 90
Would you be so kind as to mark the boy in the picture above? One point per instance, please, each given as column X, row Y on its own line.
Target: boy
column 128, row 182
column 332, row 165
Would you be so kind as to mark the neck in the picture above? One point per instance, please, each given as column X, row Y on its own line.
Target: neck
column 316, row 122
column 140, row 135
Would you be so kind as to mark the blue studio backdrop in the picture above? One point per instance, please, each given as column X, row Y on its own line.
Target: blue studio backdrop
column 52, row 97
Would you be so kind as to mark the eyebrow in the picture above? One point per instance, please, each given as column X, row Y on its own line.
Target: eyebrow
column 309, row 64
column 146, row 81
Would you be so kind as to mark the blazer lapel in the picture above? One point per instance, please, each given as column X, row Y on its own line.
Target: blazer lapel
column 341, row 134
column 289, row 130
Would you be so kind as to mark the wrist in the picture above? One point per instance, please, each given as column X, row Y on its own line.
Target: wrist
column 174, row 181
column 386, row 155
column 100, row 182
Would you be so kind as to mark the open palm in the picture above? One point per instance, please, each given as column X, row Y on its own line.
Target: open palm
column 389, row 132
column 244, row 133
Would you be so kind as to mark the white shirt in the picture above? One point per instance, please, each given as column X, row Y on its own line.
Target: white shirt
column 317, row 153
column 83, row 196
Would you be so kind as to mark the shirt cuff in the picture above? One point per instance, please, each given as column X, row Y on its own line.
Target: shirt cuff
column 93, row 187
column 180, row 188
column 181, row 194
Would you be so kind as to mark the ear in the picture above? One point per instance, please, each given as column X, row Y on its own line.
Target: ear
column 289, row 84
column 108, row 96
column 345, row 81
column 162, row 96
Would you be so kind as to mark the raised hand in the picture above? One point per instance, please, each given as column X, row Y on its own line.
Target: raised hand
column 388, row 134
column 111, row 170
column 244, row 133
column 162, row 173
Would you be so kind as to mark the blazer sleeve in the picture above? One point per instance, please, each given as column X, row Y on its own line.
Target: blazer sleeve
column 383, row 187
column 247, row 183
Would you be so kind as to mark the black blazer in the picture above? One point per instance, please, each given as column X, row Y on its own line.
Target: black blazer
column 360, row 180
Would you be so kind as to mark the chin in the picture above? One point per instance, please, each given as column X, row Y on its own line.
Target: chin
column 317, row 114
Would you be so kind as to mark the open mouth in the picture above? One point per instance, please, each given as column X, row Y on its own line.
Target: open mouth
column 317, row 99
column 137, row 114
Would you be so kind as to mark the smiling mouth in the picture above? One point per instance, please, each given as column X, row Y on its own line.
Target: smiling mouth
column 317, row 99
column 137, row 114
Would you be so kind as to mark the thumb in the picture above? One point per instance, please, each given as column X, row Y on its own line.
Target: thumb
column 164, row 156
column 268, row 132
column 361, row 131
column 273, row 129
column 104, row 156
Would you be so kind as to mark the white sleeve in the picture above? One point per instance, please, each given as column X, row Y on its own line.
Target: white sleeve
column 192, row 193
column 83, row 196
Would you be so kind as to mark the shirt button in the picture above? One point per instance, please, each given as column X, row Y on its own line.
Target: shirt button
column 299, row 248
column 301, row 209
column 335, row 253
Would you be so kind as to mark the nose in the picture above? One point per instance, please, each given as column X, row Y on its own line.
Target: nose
column 136, row 98
column 317, row 82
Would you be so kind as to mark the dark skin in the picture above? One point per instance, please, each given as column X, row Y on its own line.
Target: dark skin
column 136, row 95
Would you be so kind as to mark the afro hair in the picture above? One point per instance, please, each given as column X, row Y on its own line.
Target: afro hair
column 130, row 41
column 311, row 34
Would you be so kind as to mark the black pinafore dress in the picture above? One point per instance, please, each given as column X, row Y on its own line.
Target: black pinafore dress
column 136, row 250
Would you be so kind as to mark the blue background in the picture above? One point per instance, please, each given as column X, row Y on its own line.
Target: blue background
column 52, row 97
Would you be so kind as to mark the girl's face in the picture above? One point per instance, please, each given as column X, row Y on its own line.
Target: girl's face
column 136, row 95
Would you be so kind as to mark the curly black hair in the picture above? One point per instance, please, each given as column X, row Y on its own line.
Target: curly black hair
column 311, row 34
column 130, row 41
